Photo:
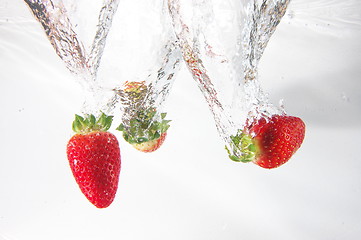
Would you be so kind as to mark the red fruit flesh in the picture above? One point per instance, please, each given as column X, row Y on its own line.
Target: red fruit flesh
column 277, row 139
column 94, row 159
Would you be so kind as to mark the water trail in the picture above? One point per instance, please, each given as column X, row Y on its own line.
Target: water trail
column 222, row 43
column 104, row 24
column 59, row 30
column 153, row 90
column 190, row 51
column 59, row 23
column 260, row 22
column 142, row 100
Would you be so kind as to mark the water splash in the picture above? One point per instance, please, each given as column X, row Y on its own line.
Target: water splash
column 222, row 43
column 190, row 51
column 142, row 94
column 329, row 17
column 150, row 94
column 62, row 23
column 259, row 23
column 60, row 33
column 79, row 39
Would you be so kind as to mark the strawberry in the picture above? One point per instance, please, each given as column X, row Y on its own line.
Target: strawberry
column 143, row 127
column 269, row 142
column 144, row 132
column 94, row 158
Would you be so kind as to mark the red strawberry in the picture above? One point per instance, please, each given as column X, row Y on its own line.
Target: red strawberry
column 143, row 127
column 94, row 158
column 269, row 142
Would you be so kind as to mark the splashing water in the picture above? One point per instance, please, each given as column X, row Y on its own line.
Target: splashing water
column 79, row 38
column 222, row 57
column 142, row 96
column 332, row 17
column 142, row 100
column 222, row 43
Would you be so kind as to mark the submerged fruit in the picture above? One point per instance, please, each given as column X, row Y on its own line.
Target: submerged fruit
column 94, row 158
column 269, row 142
column 144, row 128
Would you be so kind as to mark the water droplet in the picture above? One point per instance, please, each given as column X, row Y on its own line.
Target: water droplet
column 344, row 97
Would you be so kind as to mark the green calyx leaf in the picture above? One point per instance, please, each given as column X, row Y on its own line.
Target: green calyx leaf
column 144, row 126
column 242, row 148
column 90, row 123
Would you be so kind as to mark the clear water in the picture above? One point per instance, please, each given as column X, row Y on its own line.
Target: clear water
column 153, row 89
column 188, row 189
column 78, row 31
column 78, row 41
column 154, row 62
column 222, row 48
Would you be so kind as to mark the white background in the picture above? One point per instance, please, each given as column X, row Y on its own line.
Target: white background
column 189, row 189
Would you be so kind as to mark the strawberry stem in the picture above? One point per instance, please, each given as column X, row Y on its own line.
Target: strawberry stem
column 243, row 148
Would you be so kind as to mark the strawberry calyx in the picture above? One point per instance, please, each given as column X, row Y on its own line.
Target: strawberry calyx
column 242, row 147
column 141, row 123
column 143, row 127
column 90, row 123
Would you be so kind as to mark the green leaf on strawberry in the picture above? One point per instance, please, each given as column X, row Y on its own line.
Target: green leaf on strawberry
column 243, row 143
column 89, row 123
column 144, row 126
